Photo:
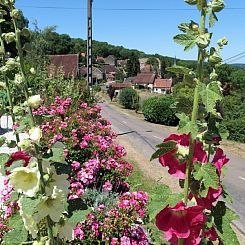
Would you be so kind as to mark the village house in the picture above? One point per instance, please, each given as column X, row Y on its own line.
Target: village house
column 145, row 80
column 119, row 86
column 162, row 86
column 64, row 65
column 110, row 60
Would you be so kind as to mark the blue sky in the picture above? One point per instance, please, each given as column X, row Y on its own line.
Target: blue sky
column 149, row 31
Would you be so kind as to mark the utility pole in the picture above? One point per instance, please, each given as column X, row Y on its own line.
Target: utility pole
column 89, row 47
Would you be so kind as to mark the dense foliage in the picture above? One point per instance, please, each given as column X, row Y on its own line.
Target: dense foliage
column 160, row 110
column 128, row 98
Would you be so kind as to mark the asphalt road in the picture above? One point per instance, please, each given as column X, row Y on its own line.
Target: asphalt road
column 144, row 136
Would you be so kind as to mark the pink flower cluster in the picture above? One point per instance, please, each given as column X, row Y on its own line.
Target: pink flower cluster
column 188, row 222
column 116, row 225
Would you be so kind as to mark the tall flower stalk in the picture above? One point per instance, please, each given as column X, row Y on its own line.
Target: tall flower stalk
column 6, row 81
column 37, row 153
column 194, row 156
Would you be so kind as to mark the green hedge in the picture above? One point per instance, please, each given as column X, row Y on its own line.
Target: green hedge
column 160, row 110
column 129, row 98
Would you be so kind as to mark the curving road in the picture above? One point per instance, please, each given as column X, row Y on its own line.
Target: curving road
column 144, row 136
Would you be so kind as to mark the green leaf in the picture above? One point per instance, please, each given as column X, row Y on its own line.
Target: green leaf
column 4, row 157
column 79, row 216
column 186, row 126
column 161, row 199
column 29, row 204
column 163, row 148
column 208, row 175
column 187, row 40
column 58, row 155
column 18, row 234
column 212, row 18
column 16, row 164
column 223, row 217
column 210, row 94
column 179, row 70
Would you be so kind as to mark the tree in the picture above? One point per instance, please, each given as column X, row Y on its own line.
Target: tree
column 133, row 65
column 119, row 76
column 154, row 64
column 111, row 92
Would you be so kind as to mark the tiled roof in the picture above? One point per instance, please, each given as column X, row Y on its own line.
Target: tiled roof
column 163, row 83
column 121, row 85
column 109, row 69
column 145, row 78
column 67, row 64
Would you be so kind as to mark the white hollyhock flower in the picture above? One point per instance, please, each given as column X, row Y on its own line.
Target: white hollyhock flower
column 52, row 206
column 35, row 134
column 34, row 101
column 60, row 182
column 25, row 180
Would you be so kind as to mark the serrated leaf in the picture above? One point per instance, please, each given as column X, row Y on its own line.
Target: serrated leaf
column 163, row 148
column 186, row 126
column 223, row 217
column 212, row 18
column 4, row 157
column 208, row 175
column 58, row 155
column 187, row 40
column 18, row 234
column 79, row 216
column 29, row 204
column 179, row 70
column 210, row 94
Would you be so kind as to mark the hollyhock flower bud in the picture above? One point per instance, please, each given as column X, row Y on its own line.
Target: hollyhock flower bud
column 32, row 71
column 24, row 144
column 25, row 180
column 191, row 2
column 35, row 134
column 34, row 101
column 15, row 13
column 18, row 79
column 9, row 37
column 217, row 5
column 223, row 41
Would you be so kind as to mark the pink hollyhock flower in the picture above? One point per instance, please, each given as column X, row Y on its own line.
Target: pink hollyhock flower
column 16, row 156
column 181, row 222
column 175, row 159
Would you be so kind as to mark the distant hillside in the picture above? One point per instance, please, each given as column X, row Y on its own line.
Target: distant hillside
column 238, row 65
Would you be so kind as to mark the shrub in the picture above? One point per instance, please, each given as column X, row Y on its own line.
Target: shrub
column 159, row 110
column 128, row 98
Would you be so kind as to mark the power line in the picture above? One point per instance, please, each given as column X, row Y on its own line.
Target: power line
column 232, row 61
column 232, row 57
column 119, row 9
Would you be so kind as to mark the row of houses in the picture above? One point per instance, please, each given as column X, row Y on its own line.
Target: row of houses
column 146, row 80
column 68, row 66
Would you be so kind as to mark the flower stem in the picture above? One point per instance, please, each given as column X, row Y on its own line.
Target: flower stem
column 9, row 95
column 33, row 123
column 194, row 112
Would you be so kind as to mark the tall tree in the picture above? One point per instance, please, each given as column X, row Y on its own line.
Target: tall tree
column 133, row 65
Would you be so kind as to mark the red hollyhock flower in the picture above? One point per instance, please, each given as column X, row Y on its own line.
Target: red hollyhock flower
column 175, row 159
column 219, row 161
column 17, row 156
column 181, row 222
column 211, row 234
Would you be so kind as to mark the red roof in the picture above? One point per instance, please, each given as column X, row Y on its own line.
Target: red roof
column 121, row 85
column 67, row 64
column 163, row 83
column 145, row 78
